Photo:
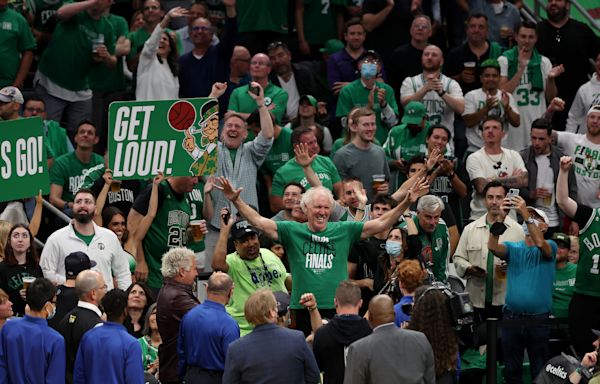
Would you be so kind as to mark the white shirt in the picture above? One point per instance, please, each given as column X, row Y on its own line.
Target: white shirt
column 291, row 88
column 155, row 81
column 545, row 179
column 587, row 96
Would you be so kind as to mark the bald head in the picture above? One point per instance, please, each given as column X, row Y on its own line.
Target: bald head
column 86, row 282
column 381, row 310
column 219, row 283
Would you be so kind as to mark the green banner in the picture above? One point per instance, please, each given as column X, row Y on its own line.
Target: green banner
column 23, row 159
column 177, row 137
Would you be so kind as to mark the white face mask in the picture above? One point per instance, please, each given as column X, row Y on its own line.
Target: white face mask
column 51, row 314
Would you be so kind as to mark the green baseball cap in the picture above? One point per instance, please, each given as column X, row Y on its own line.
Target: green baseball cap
column 310, row 99
column 414, row 113
column 332, row 46
column 560, row 237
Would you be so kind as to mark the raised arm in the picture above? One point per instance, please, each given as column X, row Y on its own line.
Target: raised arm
column 537, row 236
column 493, row 245
column 68, row 11
column 219, row 260
column 268, row 226
column 305, row 161
column 266, row 123
column 146, row 221
column 565, row 203
column 101, row 200
column 36, row 219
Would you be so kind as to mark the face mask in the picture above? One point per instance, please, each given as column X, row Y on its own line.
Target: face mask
column 368, row 70
column 393, row 248
column 51, row 314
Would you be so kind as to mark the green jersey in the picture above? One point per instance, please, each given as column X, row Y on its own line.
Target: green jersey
column 280, row 153
column 318, row 260
column 356, row 94
column 241, row 101
column 262, row 15
column 137, row 38
column 292, row 171
column 319, row 21
column 564, row 286
column 102, row 78
column 57, row 139
column 197, row 203
column 15, row 38
column 68, row 58
column 588, row 267
column 69, row 172
column 267, row 270
column 435, row 248
column 168, row 229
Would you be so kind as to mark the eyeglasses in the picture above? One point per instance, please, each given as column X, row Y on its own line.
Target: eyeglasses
column 151, row 8
column 260, row 63
column 202, row 28
column 422, row 27
column 275, row 45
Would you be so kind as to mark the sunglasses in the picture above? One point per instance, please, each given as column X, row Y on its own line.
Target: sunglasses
column 275, row 45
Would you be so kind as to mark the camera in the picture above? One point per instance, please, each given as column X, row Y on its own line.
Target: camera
column 459, row 304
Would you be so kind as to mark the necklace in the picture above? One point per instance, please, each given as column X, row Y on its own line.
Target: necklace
column 267, row 276
column 497, row 164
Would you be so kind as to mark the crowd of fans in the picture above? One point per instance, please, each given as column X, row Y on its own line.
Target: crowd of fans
column 373, row 156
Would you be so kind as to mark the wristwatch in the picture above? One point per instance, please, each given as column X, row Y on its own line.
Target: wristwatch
column 441, row 94
column 530, row 220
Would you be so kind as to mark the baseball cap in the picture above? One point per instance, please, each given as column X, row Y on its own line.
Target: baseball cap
column 332, row 46
column 10, row 94
column 310, row 99
column 371, row 54
column 241, row 229
column 559, row 238
column 76, row 262
column 596, row 332
column 283, row 302
column 556, row 370
column 414, row 113
column 539, row 212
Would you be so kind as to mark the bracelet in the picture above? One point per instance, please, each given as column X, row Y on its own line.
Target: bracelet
column 441, row 94
column 312, row 309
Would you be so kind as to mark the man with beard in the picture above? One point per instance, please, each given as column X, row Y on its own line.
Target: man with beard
column 250, row 267
column 488, row 101
column 542, row 160
column 296, row 79
column 82, row 234
column 570, row 43
column 440, row 94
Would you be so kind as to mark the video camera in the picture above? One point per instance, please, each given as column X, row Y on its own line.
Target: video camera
column 459, row 304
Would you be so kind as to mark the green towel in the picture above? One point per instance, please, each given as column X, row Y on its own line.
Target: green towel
column 534, row 68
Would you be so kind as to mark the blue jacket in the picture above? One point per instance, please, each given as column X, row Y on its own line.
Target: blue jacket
column 108, row 354
column 31, row 352
column 205, row 334
column 271, row 354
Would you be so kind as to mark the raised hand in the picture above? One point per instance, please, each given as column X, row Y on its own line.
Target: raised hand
column 217, row 90
column 229, row 192
column 302, row 156
column 260, row 98
column 158, row 178
column 566, row 162
column 556, row 71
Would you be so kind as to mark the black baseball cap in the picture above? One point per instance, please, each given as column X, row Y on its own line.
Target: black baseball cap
column 283, row 302
column 559, row 238
column 76, row 262
column 241, row 229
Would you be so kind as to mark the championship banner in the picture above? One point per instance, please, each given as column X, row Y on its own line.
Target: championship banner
column 23, row 159
column 177, row 137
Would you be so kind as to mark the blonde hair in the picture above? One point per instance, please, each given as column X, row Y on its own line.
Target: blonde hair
column 5, row 228
column 259, row 305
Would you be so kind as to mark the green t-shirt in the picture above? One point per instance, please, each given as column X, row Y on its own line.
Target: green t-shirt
column 87, row 239
column 137, row 39
column 292, row 171
column 197, row 203
column 250, row 275
column 356, row 94
column 262, row 15
column 57, row 139
column 318, row 260
column 15, row 38
column 67, row 59
column 106, row 79
column 564, row 287
column 280, row 153
column 68, row 172
column 319, row 21
column 588, row 267
column 149, row 352
column 168, row 230
column 401, row 145
column 241, row 102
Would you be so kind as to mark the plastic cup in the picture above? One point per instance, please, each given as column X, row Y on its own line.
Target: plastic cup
column 27, row 280
column 197, row 234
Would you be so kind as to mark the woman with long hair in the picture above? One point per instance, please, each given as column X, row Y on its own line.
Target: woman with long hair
column 139, row 299
column 150, row 341
column 431, row 315
column 21, row 260
column 157, row 69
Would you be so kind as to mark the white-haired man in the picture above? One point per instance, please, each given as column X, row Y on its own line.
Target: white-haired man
column 318, row 249
column 175, row 299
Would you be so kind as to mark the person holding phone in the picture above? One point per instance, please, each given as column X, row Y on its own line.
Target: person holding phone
column 476, row 264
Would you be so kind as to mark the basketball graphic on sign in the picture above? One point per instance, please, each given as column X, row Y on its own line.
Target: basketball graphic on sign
column 182, row 115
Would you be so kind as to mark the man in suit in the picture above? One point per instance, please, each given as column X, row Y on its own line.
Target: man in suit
column 378, row 358
column 91, row 288
column 269, row 353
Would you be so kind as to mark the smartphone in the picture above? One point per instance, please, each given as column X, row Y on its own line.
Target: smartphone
column 513, row 192
column 255, row 90
column 226, row 216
